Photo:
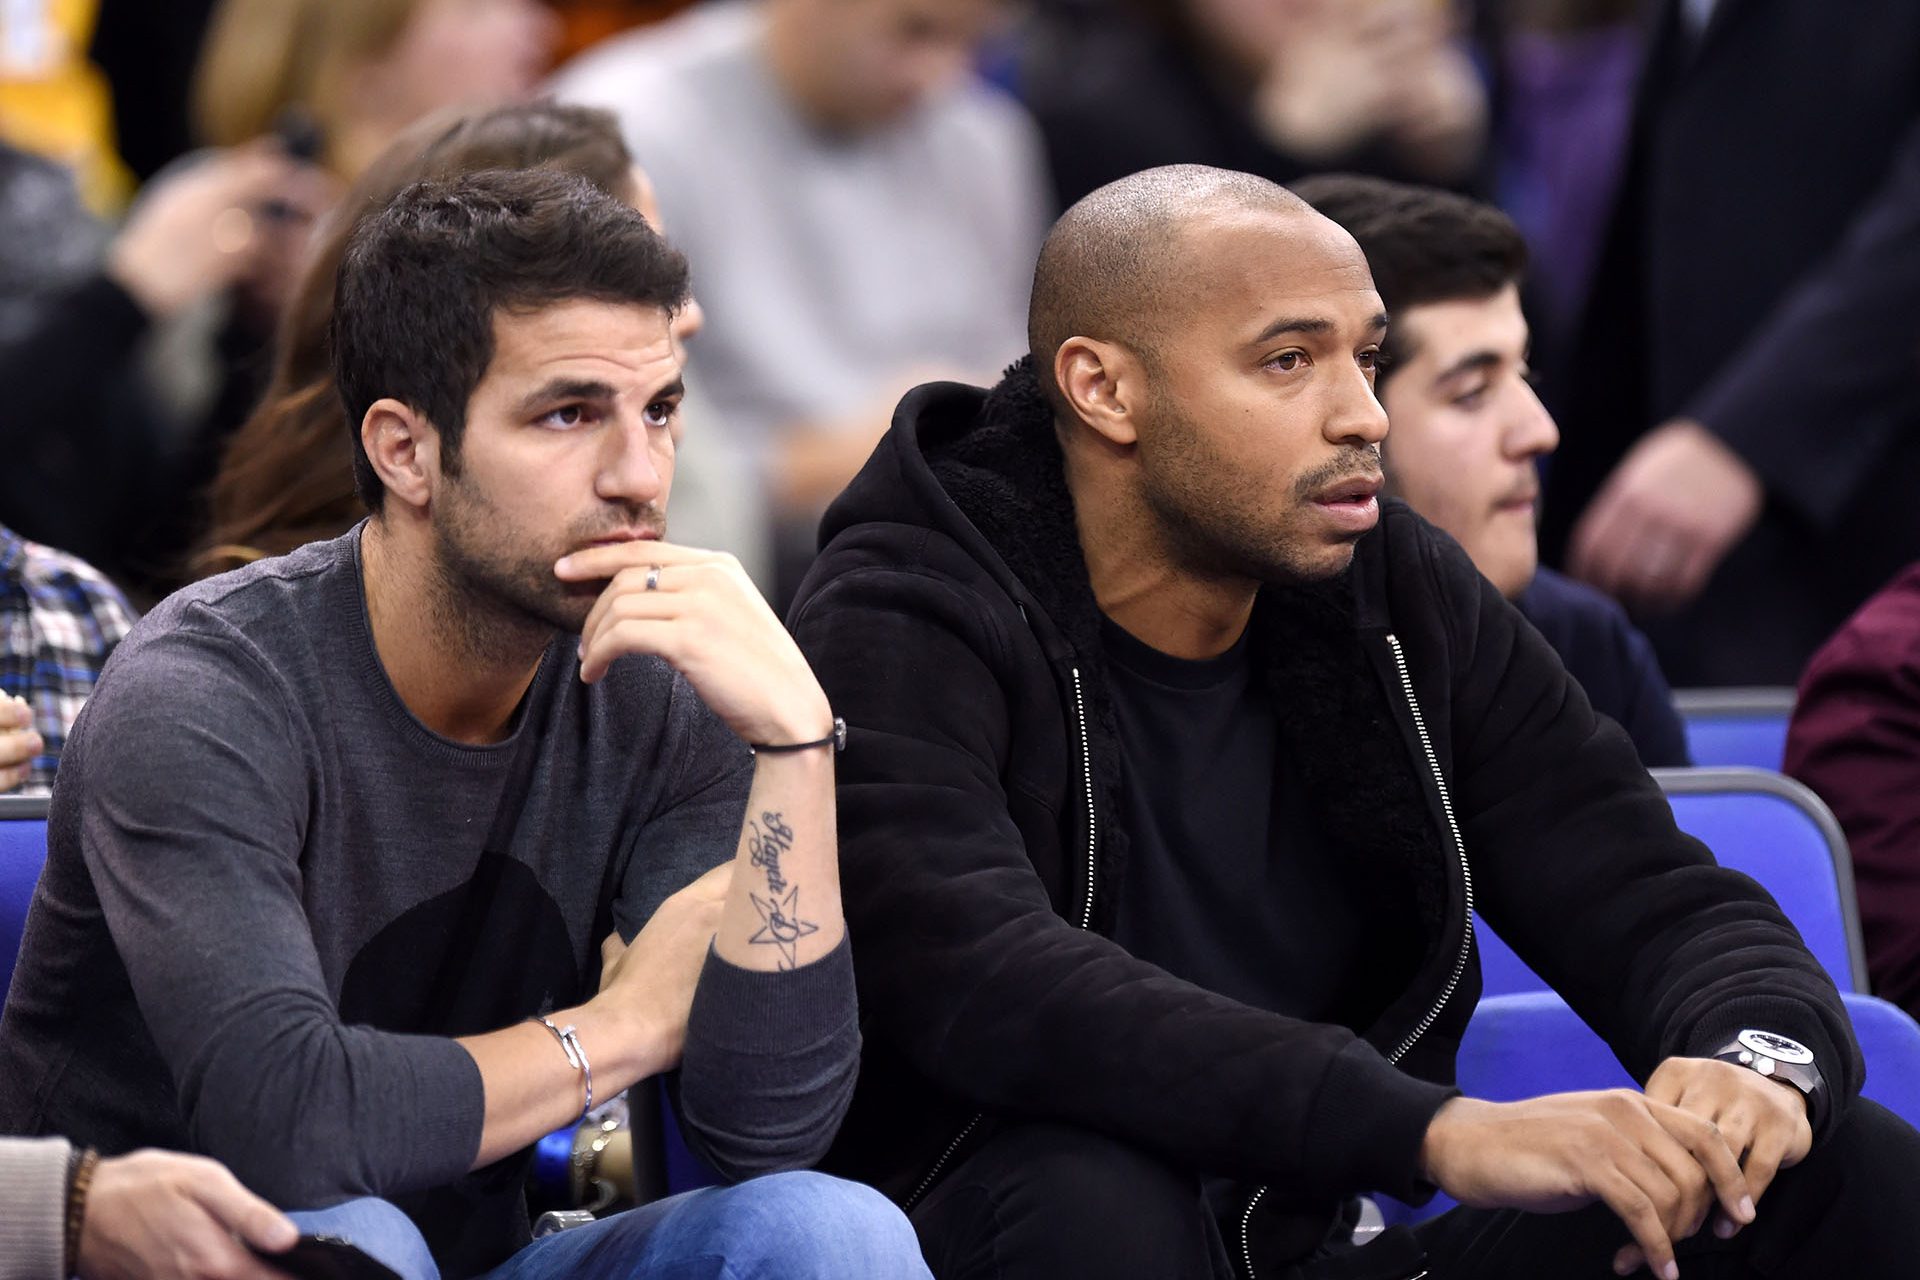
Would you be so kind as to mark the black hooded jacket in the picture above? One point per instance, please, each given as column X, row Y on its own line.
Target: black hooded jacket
column 1448, row 757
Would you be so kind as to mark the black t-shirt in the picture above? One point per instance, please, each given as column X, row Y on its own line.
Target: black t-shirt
column 1228, row 883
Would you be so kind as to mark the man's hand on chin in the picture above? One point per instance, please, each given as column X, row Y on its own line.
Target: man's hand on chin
column 700, row 612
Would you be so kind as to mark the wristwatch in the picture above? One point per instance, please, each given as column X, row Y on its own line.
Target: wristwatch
column 1780, row 1058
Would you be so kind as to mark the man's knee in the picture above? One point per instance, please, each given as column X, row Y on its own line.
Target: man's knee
column 809, row 1225
column 1869, row 1141
column 1846, row 1210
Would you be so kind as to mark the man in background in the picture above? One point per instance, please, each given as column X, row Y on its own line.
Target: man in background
column 1741, row 394
column 1468, row 433
column 861, row 212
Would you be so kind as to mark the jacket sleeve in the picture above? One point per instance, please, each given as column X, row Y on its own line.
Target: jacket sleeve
column 1579, row 867
column 770, row 1058
column 966, row 969
column 1832, row 379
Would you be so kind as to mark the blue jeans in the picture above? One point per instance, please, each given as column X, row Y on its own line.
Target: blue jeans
column 787, row 1226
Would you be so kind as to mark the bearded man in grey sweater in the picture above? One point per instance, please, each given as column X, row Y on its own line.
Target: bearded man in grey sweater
column 374, row 863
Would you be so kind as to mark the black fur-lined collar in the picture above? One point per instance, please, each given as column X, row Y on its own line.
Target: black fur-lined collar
column 1006, row 474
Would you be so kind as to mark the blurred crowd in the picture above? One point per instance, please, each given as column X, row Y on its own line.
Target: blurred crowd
column 1718, row 200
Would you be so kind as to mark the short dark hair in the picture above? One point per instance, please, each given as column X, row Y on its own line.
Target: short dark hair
column 421, row 279
column 1422, row 244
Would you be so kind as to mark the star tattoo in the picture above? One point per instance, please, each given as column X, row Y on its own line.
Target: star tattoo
column 782, row 926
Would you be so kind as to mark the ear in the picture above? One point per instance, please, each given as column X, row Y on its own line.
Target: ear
column 1105, row 384
column 404, row 450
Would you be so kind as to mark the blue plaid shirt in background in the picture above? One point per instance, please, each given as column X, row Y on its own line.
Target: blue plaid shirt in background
column 59, row 619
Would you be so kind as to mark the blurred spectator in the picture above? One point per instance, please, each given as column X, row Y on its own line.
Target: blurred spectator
column 1855, row 739
column 287, row 477
column 148, row 49
column 587, row 22
column 59, row 620
column 362, row 70
column 47, row 237
column 1741, row 400
column 1467, row 432
column 860, row 213
column 102, row 430
column 55, row 102
column 1565, row 75
column 144, row 1214
column 1274, row 87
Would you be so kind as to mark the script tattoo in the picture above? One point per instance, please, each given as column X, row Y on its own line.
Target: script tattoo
column 768, row 840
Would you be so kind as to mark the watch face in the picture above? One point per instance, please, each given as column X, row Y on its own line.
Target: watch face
column 1779, row 1048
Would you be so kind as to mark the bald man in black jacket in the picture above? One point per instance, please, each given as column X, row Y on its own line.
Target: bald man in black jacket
column 1179, row 763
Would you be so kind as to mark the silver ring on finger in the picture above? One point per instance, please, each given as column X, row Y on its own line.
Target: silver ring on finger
column 653, row 577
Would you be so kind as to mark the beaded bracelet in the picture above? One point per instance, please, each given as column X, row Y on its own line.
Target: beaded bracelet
column 79, row 1181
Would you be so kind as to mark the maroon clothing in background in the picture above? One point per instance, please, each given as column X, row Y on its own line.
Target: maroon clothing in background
column 1855, row 739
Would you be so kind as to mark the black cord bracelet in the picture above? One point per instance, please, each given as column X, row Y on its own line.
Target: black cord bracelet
column 837, row 740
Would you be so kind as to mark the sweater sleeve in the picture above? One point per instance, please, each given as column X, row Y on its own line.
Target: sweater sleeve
column 770, row 1058
column 33, row 1207
column 196, row 778
column 769, row 1064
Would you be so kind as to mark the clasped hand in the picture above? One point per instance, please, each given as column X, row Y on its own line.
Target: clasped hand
column 1704, row 1134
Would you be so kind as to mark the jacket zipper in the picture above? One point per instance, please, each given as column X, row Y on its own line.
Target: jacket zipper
column 1466, row 939
column 1086, row 922
column 1086, row 761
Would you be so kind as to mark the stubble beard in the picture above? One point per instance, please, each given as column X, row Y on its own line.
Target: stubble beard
column 1220, row 527
column 497, row 603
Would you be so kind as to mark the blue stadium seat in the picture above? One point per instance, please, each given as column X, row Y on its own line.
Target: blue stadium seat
column 1736, row 726
column 1529, row 1044
column 1769, row 827
column 23, row 850
column 1522, row 1046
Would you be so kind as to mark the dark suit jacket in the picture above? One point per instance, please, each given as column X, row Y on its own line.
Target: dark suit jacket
column 1762, row 274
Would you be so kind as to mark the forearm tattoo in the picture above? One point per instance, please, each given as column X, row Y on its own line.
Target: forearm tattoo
column 769, row 839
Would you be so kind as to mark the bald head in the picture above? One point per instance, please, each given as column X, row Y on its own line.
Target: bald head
column 1111, row 266
column 1208, row 343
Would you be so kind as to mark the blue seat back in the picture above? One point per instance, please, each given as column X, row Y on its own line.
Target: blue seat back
column 1526, row 1045
column 1736, row 726
column 1784, row 836
column 23, row 851
column 1769, row 827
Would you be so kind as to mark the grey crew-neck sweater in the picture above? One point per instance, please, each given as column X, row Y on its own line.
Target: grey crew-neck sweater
column 271, row 900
